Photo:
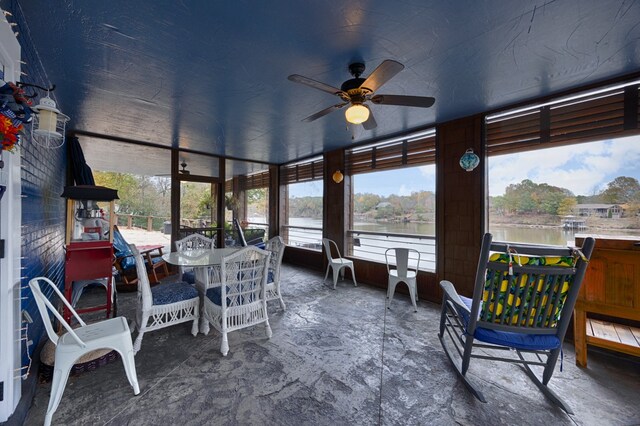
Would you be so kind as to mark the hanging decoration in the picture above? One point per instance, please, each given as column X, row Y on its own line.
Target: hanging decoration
column 9, row 133
column 48, row 123
column 469, row 160
column 15, row 109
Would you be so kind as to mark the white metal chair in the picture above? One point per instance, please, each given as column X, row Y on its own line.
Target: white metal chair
column 403, row 273
column 113, row 334
column 239, row 301
column 276, row 247
column 192, row 242
column 164, row 305
column 337, row 263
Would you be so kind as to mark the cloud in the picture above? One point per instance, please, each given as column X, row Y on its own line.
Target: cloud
column 428, row 170
column 403, row 191
column 581, row 168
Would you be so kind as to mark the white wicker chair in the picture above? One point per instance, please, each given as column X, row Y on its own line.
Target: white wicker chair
column 192, row 242
column 239, row 301
column 164, row 305
column 276, row 247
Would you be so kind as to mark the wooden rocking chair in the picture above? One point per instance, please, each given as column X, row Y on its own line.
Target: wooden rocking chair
column 522, row 302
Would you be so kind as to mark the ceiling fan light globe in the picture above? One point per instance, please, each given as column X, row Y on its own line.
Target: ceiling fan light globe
column 357, row 114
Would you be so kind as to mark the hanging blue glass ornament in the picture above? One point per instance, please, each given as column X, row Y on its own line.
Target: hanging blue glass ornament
column 469, row 160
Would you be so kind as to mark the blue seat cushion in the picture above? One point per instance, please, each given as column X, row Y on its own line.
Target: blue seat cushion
column 165, row 294
column 270, row 277
column 506, row 338
column 189, row 277
column 157, row 259
column 215, row 295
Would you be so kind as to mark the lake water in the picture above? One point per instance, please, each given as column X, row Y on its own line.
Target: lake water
column 538, row 235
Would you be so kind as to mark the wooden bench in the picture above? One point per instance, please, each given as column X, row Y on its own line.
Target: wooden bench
column 611, row 287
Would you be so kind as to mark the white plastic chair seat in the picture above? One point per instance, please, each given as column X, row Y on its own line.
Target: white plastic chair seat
column 410, row 274
column 97, row 335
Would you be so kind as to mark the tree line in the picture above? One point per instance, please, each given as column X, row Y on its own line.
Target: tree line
column 418, row 205
column 528, row 197
column 151, row 196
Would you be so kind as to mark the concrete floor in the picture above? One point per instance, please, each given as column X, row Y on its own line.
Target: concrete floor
column 336, row 357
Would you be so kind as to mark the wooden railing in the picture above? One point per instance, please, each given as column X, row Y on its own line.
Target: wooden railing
column 156, row 223
column 140, row 221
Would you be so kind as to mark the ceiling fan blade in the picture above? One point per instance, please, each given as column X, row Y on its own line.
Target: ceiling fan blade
column 371, row 123
column 412, row 101
column 385, row 72
column 323, row 112
column 318, row 85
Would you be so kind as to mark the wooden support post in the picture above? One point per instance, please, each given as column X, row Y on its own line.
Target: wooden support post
column 580, row 336
column 220, row 205
column 175, row 197
column 274, row 201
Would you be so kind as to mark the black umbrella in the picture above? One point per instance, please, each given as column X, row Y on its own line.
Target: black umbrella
column 82, row 174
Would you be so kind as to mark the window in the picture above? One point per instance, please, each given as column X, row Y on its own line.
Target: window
column 393, row 198
column 302, row 187
column 257, row 201
column 566, row 167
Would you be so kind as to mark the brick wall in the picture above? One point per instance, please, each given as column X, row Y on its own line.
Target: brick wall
column 43, row 210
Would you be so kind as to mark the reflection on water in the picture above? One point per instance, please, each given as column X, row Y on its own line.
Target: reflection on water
column 396, row 227
column 554, row 236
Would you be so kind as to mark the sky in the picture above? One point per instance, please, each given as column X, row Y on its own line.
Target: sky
column 400, row 182
column 584, row 169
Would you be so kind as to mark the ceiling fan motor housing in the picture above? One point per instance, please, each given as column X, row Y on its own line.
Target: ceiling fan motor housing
column 356, row 69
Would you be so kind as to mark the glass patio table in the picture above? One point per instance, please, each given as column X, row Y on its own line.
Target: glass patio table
column 199, row 258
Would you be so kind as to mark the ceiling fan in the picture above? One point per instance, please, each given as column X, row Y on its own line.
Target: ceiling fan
column 357, row 91
column 183, row 170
